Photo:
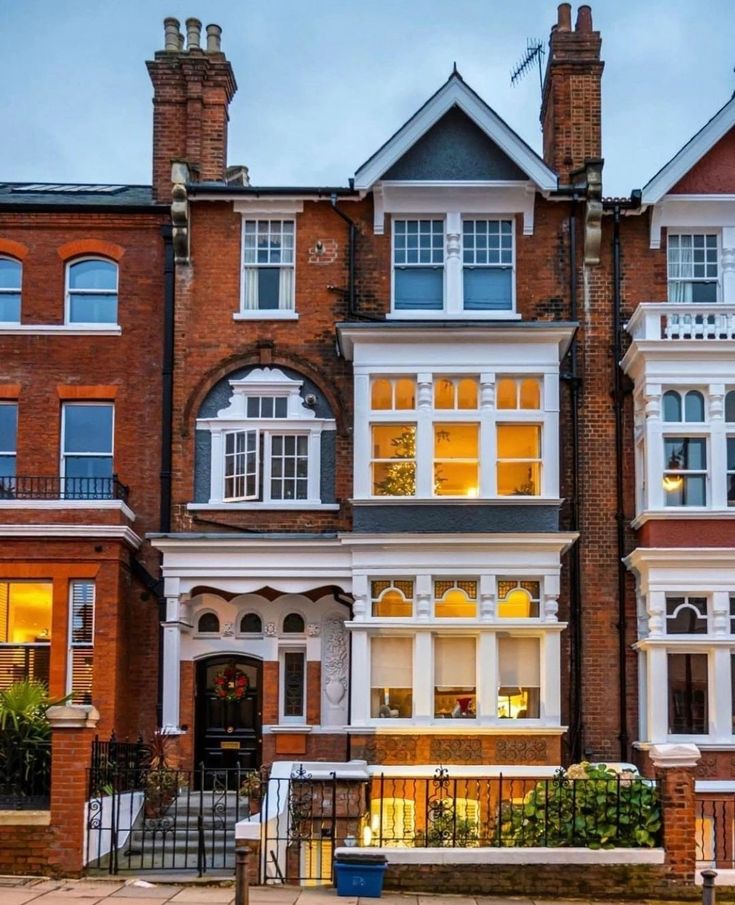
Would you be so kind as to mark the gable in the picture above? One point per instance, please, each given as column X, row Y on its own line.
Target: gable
column 714, row 173
column 455, row 148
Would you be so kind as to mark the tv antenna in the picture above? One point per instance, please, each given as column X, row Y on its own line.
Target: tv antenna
column 534, row 54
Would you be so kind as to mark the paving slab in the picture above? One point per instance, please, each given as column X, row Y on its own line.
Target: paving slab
column 11, row 895
column 393, row 898
column 158, row 891
column 88, row 889
column 444, row 900
column 322, row 896
column 502, row 900
column 205, row 895
column 275, row 895
column 53, row 898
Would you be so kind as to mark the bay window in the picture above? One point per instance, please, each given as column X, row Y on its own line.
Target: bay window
column 391, row 677
column 455, row 690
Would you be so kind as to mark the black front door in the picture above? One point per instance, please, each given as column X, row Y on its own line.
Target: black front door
column 228, row 712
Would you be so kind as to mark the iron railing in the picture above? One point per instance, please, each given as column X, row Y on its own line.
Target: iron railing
column 715, row 831
column 119, row 765
column 25, row 775
column 54, row 487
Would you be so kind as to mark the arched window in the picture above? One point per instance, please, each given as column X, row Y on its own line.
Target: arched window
column 392, row 598
column 91, row 291
column 293, row 624
column 694, row 406
column 730, row 406
column 518, row 599
column 251, row 624
column 672, row 406
column 208, row 624
column 11, row 274
column 455, row 599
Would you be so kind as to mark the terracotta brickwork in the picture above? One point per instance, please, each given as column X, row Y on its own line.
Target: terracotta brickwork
column 456, row 749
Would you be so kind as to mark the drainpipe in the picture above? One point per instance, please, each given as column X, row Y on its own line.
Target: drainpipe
column 351, row 257
column 167, row 376
column 576, row 722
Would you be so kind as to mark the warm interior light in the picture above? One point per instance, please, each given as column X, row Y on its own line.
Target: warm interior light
column 672, row 482
column 367, row 835
column 29, row 619
column 473, row 491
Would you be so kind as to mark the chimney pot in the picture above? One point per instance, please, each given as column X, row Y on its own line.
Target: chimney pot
column 584, row 19
column 193, row 34
column 214, row 38
column 181, row 42
column 564, row 20
column 171, row 35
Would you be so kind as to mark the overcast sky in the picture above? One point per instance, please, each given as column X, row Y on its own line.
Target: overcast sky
column 323, row 83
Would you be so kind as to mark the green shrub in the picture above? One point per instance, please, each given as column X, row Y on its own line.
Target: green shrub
column 587, row 805
column 25, row 738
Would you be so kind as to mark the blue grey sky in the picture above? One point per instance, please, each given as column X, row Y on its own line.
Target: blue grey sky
column 323, row 83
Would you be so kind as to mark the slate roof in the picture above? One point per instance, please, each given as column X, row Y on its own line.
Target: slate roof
column 75, row 195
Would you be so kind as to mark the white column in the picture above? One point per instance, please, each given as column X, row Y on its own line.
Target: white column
column 720, row 695
column 657, row 705
column 720, row 613
column 360, row 679
column 424, row 598
column 453, row 264
column 717, row 464
column 488, row 597
column 217, row 467
column 361, row 608
column 550, row 598
column 550, row 670
column 487, row 677
column 654, row 447
column 728, row 265
column 424, row 438
column 361, row 435
column 551, row 450
column 171, row 666
column 656, row 606
column 423, row 677
column 488, row 443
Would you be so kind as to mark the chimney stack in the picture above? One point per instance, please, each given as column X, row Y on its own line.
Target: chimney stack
column 571, row 107
column 192, row 91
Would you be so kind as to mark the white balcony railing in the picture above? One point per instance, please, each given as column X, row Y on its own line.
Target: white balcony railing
column 676, row 321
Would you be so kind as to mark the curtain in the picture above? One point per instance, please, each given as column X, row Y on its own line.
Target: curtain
column 454, row 662
column 250, row 296
column 285, row 289
column 681, row 269
column 519, row 662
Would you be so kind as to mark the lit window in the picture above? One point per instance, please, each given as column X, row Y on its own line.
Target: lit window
column 418, row 265
column 25, row 631
column 518, row 393
column 91, row 292
column 294, row 685
column 293, row 624
column 456, row 461
column 268, row 265
column 454, row 678
column 455, row 392
column 208, row 624
column 81, row 641
column 685, row 474
column 455, row 599
column 487, row 253
column 394, row 459
column 251, row 624
column 392, row 598
column 8, row 447
column 692, row 408
column 688, row 694
column 11, row 274
column 391, row 678
column 518, row 599
column 519, row 460
column 519, row 673
column 87, row 465
column 686, row 615
column 393, row 393
column 693, row 267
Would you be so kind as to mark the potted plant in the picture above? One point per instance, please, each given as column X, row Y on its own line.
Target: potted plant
column 162, row 781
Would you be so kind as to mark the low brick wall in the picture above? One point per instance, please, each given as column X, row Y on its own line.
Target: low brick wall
column 567, row 881
column 24, row 849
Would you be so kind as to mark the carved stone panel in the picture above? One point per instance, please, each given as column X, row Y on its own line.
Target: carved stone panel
column 521, row 750
column 335, row 672
column 455, row 750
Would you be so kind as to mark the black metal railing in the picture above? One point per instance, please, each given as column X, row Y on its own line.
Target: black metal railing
column 118, row 765
column 45, row 487
column 25, row 776
column 715, row 831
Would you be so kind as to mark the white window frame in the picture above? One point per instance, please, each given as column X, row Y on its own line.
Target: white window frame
column 244, row 313
column 686, row 434
column 10, row 291
column 404, row 218
column 487, row 416
column 76, row 645
column 63, row 455
column 11, row 453
column 512, row 265
column 282, row 651
column 301, row 420
column 68, row 291
column 679, row 232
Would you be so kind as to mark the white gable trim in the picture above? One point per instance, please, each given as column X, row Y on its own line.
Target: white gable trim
column 456, row 92
column 693, row 212
column 692, row 152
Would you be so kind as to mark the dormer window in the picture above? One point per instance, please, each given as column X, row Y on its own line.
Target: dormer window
column 487, row 256
column 418, row 265
column 266, row 444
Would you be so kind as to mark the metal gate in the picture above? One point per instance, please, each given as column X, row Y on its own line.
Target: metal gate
column 144, row 817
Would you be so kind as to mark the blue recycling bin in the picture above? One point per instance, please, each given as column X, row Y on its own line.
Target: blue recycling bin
column 360, row 876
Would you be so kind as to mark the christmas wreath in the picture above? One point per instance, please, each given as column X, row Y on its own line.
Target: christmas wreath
column 230, row 684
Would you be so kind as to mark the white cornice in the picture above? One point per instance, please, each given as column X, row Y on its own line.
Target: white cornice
column 119, row 532
column 680, row 557
column 455, row 92
column 69, row 504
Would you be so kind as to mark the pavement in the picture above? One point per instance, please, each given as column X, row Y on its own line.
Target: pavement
column 96, row 891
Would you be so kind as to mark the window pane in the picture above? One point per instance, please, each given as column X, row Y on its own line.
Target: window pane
column 10, row 307
column 443, row 393
column 488, row 289
column 519, row 672
column 454, row 678
column 672, row 406
column 391, row 678
column 455, row 604
column 467, row 393
column 293, row 624
column 519, row 479
column 507, row 394
column 419, row 289
column 405, row 389
column 251, row 623
column 694, row 406
column 730, row 406
column 208, row 622
column 268, row 282
column 686, row 615
column 88, row 428
column 93, row 275
column 530, row 393
column 456, row 460
column 518, row 600
column 294, row 669
column 25, row 612
column 87, row 467
column 92, row 309
column 382, row 395
column 688, row 694
column 519, row 441
column 10, row 274
column 8, row 427
column 704, row 293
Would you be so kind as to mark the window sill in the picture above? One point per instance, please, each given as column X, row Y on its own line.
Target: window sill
column 265, row 315
column 463, row 727
column 288, row 728
column 414, row 315
column 300, row 506
column 69, row 504
column 456, row 501
column 63, row 329
column 679, row 512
